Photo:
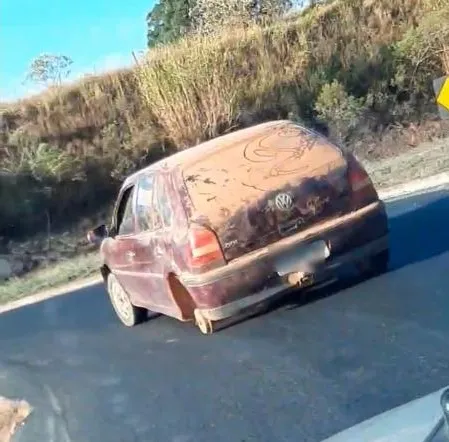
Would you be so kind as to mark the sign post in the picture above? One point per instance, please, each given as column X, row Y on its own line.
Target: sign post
column 441, row 89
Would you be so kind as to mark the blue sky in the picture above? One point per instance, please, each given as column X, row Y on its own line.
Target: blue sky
column 98, row 35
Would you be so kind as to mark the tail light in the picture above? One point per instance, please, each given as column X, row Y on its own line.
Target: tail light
column 204, row 248
column 363, row 191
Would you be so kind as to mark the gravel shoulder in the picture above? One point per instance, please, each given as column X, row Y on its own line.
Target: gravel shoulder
column 423, row 161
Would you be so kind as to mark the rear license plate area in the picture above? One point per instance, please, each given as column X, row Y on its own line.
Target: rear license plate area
column 302, row 258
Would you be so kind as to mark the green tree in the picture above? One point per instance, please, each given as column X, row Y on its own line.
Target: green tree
column 209, row 16
column 168, row 20
column 49, row 69
column 172, row 19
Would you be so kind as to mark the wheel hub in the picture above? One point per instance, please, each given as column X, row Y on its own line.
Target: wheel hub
column 120, row 299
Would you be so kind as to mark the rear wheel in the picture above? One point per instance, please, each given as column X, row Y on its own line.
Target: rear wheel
column 128, row 313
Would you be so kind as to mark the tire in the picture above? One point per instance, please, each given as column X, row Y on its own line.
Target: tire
column 129, row 314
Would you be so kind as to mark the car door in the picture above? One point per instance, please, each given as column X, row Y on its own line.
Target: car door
column 121, row 248
column 150, row 261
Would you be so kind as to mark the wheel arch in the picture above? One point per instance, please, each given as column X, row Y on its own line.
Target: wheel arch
column 182, row 297
column 105, row 270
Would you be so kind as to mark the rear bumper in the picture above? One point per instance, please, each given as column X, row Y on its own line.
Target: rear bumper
column 223, row 292
column 232, row 308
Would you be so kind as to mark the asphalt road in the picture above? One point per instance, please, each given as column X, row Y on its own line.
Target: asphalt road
column 301, row 372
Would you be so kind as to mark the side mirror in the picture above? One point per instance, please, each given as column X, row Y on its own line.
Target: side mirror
column 97, row 235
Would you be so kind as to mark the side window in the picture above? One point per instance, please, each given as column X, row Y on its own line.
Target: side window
column 163, row 203
column 125, row 215
column 148, row 218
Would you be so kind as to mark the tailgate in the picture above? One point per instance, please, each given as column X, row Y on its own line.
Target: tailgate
column 273, row 185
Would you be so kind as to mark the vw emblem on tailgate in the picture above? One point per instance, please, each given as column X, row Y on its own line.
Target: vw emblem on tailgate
column 283, row 201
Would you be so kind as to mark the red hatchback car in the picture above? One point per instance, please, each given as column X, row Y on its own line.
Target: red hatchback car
column 224, row 226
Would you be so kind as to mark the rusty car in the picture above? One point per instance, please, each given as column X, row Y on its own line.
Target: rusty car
column 215, row 230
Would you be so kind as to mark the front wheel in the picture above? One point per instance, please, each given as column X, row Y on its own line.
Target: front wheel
column 128, row 313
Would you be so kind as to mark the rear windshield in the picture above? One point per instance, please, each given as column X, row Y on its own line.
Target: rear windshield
column 220, row 183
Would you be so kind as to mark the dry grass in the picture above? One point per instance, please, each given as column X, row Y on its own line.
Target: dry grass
column 92, row 102
column 55, row 275
column 206, row 81
column 63, row 153
column 66, row 150
column 199, row 87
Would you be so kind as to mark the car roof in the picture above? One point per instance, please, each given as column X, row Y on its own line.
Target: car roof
column 189, row 156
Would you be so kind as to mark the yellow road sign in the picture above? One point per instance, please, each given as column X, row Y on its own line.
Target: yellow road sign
column 443, row 96
column 441, row 88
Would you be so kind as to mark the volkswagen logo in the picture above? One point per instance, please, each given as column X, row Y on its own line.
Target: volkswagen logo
column 283, row 201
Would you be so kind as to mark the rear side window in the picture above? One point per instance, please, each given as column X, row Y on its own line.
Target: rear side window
column 148, row 217
column 125, row 214
column 163, row 201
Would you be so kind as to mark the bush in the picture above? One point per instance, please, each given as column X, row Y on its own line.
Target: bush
column 341, row 111
column 423, row 52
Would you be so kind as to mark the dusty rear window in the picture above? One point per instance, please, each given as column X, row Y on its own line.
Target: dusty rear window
column 220, row 183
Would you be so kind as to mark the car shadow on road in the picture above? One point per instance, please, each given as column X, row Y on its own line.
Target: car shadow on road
column 420, row 234
column 416, row 235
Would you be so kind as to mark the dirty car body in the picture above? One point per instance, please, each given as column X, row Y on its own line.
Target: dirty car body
column 226, row 225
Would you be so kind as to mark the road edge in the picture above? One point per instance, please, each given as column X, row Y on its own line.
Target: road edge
column 77, row 284
column 418, row 186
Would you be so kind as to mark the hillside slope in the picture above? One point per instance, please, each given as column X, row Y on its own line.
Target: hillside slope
column 350, row 65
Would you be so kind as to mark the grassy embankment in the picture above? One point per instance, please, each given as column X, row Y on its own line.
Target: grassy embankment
column 360, row 67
